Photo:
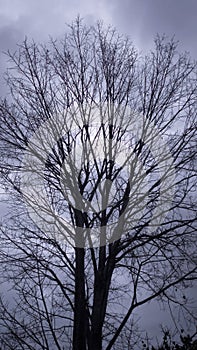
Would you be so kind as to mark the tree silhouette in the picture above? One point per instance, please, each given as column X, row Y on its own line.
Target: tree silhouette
column 186, row 342
column 98, row 151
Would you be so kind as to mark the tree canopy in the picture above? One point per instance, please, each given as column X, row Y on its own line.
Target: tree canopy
column 98, row 158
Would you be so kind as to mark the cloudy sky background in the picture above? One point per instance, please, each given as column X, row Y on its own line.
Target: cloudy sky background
column 140, row 19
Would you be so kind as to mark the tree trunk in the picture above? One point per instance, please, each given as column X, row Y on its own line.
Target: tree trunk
column 80, row 314
column 101, row 291
column 79, row 336
column 97, row 319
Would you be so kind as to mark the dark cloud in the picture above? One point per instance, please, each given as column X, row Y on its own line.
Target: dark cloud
column 143, row 19
column 38, row 19
column 8, row 40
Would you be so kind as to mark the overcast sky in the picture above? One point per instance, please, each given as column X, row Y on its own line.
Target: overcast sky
column 141, row 19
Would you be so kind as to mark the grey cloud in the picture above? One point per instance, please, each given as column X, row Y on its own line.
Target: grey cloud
column 39, row 19
column 8, row 40
column 143, row 19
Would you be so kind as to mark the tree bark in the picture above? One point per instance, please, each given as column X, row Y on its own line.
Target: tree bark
column 101, row 291
column 80, row 314
column 79, row 337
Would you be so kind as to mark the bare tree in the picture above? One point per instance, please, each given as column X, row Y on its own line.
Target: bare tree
column 98, row 151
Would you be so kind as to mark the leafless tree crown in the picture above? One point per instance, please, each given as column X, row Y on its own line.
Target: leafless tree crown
column 98, row 156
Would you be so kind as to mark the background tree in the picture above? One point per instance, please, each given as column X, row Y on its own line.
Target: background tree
column 170, row 342
column 92, row 137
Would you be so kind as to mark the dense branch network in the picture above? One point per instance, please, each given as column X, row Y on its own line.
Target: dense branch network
column 105, row 135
